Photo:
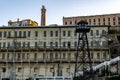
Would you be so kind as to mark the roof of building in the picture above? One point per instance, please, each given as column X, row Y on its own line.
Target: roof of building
column 91, row 15
column 58, row 26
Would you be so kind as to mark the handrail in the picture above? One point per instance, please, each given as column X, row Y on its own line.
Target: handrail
column 103, row 64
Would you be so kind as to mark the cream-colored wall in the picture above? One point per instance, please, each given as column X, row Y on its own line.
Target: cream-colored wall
column 96, row 17
column 40, row 39
column 44, row 68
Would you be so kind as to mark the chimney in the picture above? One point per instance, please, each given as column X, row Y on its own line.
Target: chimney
column 43, row 16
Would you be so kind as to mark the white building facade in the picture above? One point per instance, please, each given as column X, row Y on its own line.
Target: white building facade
column 43, row 51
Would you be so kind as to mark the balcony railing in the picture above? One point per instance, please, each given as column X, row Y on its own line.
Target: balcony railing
column 50, row 60
column 48, row 47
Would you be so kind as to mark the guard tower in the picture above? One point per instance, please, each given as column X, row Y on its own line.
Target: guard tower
column 83, row 59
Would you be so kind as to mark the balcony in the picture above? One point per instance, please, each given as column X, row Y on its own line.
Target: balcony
column 18, row 46
column 48, row 60
column 37, row 48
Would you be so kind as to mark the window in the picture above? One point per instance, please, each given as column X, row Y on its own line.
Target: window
column 113, row 23
column 92, row 44
column 51, row 69
column 36, row 45
column 65, row 23
column 44, row 33
column 5, row 34
column 19, row 44
column 113, row 18
column 35, row 56
column 56, row 44
column 23, row 55
column 69, row 44
column 97, row 44
column 15, row 34
column 20, row 33
column 75, row 22
column 68, row 70
column 29, row 33
column 51, row 33
column 97, row 32
column 89, row 20
column 103, row 19
column 91, row 32
column 0, row 34
column 103, row 23
column 56, row 33
column 19, row 56
column 64, row 44
column 51, row 56
column 103, row 32
column 4, row 45
column 74, row 55
column 68, row 33
column 8, row 45
column 0, row 44
column 44, row 56
column 24, row 33
column 3, row 69
column 51, row 44
column 70, row 22
column 98, row 19
column 19, row 69
column 75, row 44
column 75, row 34
column 104, row 55
column 118, row 18
column 36, row 33
column 3, row 55
column 44, row 45
column 108, row 23
column 64, row 55
column 23, row 44
column 104, row 43
column 28, row 45
column 64, row 33
column 94, row 20
column 36, row 69
column 9, row 34
column 8, row 56
column 98, row 55
column 108, row 19
column 92, row 55
column 119, row 23
column 69, row 56
column 98, row 23
column 28, row 55
column 56, row 55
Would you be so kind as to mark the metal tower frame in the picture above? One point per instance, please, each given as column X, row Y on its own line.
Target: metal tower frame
column 83, row 59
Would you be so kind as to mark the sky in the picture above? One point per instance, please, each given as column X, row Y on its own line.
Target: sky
column 56, row 9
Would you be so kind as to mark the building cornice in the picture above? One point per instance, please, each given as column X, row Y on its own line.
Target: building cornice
column 114, row 14
column 65, row 26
